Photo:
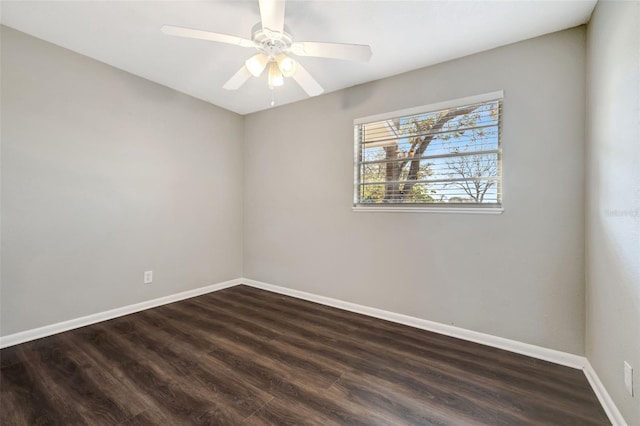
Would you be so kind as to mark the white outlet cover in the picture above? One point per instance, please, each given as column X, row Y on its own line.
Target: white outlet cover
column 628, row 378
column 148, row 277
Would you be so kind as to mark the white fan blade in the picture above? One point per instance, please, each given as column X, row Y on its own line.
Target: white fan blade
column 351, row 52
column 272, row 15
column 206, row 35
column 308, row 83
column 238, row 79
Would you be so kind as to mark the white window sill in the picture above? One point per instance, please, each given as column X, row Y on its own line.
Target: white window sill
column 463, row 210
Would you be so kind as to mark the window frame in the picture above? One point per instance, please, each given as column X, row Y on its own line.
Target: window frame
column 426, row 207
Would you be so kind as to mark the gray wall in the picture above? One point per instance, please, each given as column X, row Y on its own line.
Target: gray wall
column 613, row 198
column 519, row 275
column 106, row 175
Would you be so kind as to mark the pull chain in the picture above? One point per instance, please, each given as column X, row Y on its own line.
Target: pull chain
column 273, row 100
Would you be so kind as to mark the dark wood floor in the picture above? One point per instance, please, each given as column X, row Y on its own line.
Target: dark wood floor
column 247, row 356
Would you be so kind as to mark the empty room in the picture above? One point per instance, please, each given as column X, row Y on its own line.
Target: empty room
column 320, row 212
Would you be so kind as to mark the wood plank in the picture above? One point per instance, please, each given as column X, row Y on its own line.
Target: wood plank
column 442, row 371
column 249, row 356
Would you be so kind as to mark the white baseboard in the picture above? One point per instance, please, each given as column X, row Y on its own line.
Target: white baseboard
column 48, row 330
column 546, row 354
column 538, row 352
column 551, row 355
column 603, row 396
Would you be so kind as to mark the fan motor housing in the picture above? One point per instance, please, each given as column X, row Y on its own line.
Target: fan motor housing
column 271, row 43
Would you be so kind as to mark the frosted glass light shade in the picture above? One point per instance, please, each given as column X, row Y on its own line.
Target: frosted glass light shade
column 275, row 76
column 287, row 65
column 256, row 64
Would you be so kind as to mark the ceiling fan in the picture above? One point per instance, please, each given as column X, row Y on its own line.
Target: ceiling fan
column 274, row 45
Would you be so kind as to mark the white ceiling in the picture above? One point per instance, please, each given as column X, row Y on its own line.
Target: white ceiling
column 403, row 35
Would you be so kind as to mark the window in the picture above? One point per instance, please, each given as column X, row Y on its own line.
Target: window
column 445, row 156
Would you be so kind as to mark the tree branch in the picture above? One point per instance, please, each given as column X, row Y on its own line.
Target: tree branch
column 414, row 168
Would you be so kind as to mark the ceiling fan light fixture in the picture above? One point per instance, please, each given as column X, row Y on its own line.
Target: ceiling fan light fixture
column 286, row 65
column 274, row 44
column 256, row 64
column 275, row 76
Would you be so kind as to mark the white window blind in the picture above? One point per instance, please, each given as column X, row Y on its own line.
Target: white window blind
column 427, row 157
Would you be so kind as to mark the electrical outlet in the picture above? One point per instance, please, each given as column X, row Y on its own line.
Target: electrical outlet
column 148, row 277
column 628, row 377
